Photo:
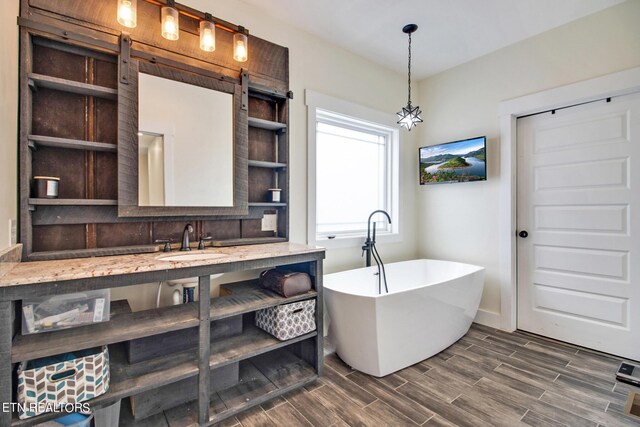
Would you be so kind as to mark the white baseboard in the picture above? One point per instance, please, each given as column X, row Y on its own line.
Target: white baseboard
column 488, row 318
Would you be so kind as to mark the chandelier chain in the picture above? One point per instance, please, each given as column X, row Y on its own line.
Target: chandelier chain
column 409, row 73
column 409, row 116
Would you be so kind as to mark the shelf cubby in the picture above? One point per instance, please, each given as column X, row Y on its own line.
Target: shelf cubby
column 119, row 328
column 266, row 124
column 261, row 378
column 70, row 86
column 252, row 298
column 130, row 380
column 268, row 159
column 72, row 202
column 73, row 144
column 267, row 92
column 268, row 165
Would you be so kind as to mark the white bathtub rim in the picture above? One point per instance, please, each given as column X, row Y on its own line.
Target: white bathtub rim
column 473, row 270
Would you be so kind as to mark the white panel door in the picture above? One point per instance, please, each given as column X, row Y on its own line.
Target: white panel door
column 579, row 202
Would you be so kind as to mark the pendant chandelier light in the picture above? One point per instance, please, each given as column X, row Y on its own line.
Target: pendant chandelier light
column 409, row 116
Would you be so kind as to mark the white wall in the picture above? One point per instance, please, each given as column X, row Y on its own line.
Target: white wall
column 8, row 117
column 460, row 221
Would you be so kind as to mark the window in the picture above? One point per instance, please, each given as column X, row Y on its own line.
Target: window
column 353, row 171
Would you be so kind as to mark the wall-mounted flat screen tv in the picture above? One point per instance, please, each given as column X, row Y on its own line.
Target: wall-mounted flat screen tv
column 457, row 161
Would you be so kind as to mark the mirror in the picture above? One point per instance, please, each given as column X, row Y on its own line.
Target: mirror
column 185, row 144
column 182, row 143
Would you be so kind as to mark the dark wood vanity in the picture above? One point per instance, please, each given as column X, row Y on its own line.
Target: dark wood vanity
column 254, row 366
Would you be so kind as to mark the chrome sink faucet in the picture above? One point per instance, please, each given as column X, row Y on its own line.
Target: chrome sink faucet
column 185, row 238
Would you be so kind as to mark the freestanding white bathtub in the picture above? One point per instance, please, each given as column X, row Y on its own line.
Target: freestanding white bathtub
column 430, row 305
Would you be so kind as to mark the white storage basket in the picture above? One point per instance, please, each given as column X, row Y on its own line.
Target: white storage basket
column 288, row 320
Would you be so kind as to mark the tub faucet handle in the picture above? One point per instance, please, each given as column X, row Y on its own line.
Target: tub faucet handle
column 366, row 247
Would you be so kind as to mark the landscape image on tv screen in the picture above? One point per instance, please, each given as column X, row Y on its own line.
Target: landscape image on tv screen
column 458, row 161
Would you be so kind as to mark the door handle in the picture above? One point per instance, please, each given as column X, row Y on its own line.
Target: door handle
column 524, row 234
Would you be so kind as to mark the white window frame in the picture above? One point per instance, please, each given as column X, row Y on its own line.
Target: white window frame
column 328, row 106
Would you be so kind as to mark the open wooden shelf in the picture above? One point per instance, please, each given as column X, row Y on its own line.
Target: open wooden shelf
column 72, row 202
column 251, row 298
column 256, row 89
column 271, row 165
column 40, row 80
column 128, row 380
column 120, row 327
column 128, row 326
column 261, row 378
column 252, row 342
column 176, row 366
column 266, row 124
column 73, row 144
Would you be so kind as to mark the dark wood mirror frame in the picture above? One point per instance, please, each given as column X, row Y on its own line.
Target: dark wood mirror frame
column 128, row 144
column 74, row 61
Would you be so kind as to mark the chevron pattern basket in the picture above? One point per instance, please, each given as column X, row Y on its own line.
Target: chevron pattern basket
column 67, row 382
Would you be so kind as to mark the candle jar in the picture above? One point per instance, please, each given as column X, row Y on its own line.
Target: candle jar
column 45, row 187
column 275, row 194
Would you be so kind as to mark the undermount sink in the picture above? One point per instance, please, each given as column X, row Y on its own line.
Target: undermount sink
column 191, row 257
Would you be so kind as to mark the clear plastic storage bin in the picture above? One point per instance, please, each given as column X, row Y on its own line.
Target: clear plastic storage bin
column 50, row 313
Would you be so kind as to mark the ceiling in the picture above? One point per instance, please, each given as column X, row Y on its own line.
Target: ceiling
column 451, row 32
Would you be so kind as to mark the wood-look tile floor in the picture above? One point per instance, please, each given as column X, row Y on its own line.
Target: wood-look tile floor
column 487, row 378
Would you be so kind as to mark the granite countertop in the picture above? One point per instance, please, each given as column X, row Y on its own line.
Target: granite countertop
column 25, row 273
